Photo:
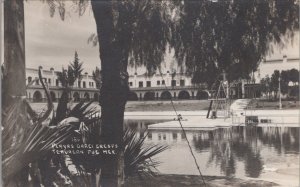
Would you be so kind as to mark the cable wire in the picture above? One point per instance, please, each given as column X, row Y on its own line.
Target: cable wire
column 179, row 117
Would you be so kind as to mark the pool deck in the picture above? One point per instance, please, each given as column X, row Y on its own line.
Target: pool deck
column 198, row 120
column 194, row 123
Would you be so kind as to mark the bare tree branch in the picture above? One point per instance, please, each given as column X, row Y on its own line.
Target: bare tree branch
column 49, row 100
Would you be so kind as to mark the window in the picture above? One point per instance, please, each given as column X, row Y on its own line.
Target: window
column 130, row 83
column 182, row 136
column 57, row 82
column 84, row 86
column 158, row 83
column 159, row 136
column 29, row 79
column 150, row 136
column 140, row 84
column 79, row 84
column 174, row 136
column 173, row 83
column 37, row 81
column 148, row 83
column 49, row 81
column 163, row 82
column 164, row 136
column 182, row 83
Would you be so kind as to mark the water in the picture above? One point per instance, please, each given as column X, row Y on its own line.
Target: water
column 235, row 151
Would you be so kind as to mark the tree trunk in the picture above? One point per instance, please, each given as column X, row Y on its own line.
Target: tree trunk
column 14, row 84
column 114, row 91
column 14, row 78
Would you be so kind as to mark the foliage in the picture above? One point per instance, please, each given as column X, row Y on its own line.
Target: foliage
column 26, row 141
column 31, row 142
column 295, row 91
column 233, row 35
column 274, row 84
column 288, row 76
column 229, row 34
column 201, row 76
column 141, row 29
column 294, row 76
column 207, row 36
column 69, row 76
column 266, row 86
column 97, row 77
column 269, row 85
column 138, row 156
column 284, row 82
column 66, row 77
column 76, row 66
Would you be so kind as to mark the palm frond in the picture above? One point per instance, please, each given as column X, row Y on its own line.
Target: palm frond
column 138, row 156
column 26, row 141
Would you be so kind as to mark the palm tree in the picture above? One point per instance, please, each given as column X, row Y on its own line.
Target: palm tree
column 63, row 77
column 73, row 73
column 97, row 77
column 28, row 138
column 68, row 77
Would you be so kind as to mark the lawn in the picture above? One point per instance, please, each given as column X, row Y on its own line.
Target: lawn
column 271, row 105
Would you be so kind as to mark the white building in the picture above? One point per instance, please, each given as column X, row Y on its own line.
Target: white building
column 267, row 67
column 85, row 88
column 158, row 80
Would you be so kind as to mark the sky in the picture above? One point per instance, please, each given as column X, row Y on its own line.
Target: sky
column 51, row 42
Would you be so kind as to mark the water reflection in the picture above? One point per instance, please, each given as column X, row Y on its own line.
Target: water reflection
column 235, row 151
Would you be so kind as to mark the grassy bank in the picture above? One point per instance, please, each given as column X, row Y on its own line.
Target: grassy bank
column 272, row 105
column 180, row 105
column 186, row 105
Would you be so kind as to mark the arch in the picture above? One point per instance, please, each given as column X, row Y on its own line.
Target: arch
column 183, row 94
column 53, row 96
column 96, row 96
column 86, row 96
column 76, row 97
column 165, row 95
column 202, row 95
column 132, row 96
column 149, row 96
column 37, row 96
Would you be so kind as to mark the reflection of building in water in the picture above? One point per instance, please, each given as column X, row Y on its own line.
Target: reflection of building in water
column 235, row 151
column 139, row 125
column 174, row 136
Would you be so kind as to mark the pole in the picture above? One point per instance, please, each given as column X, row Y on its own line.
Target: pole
column 226, row 83
column 279, row 88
